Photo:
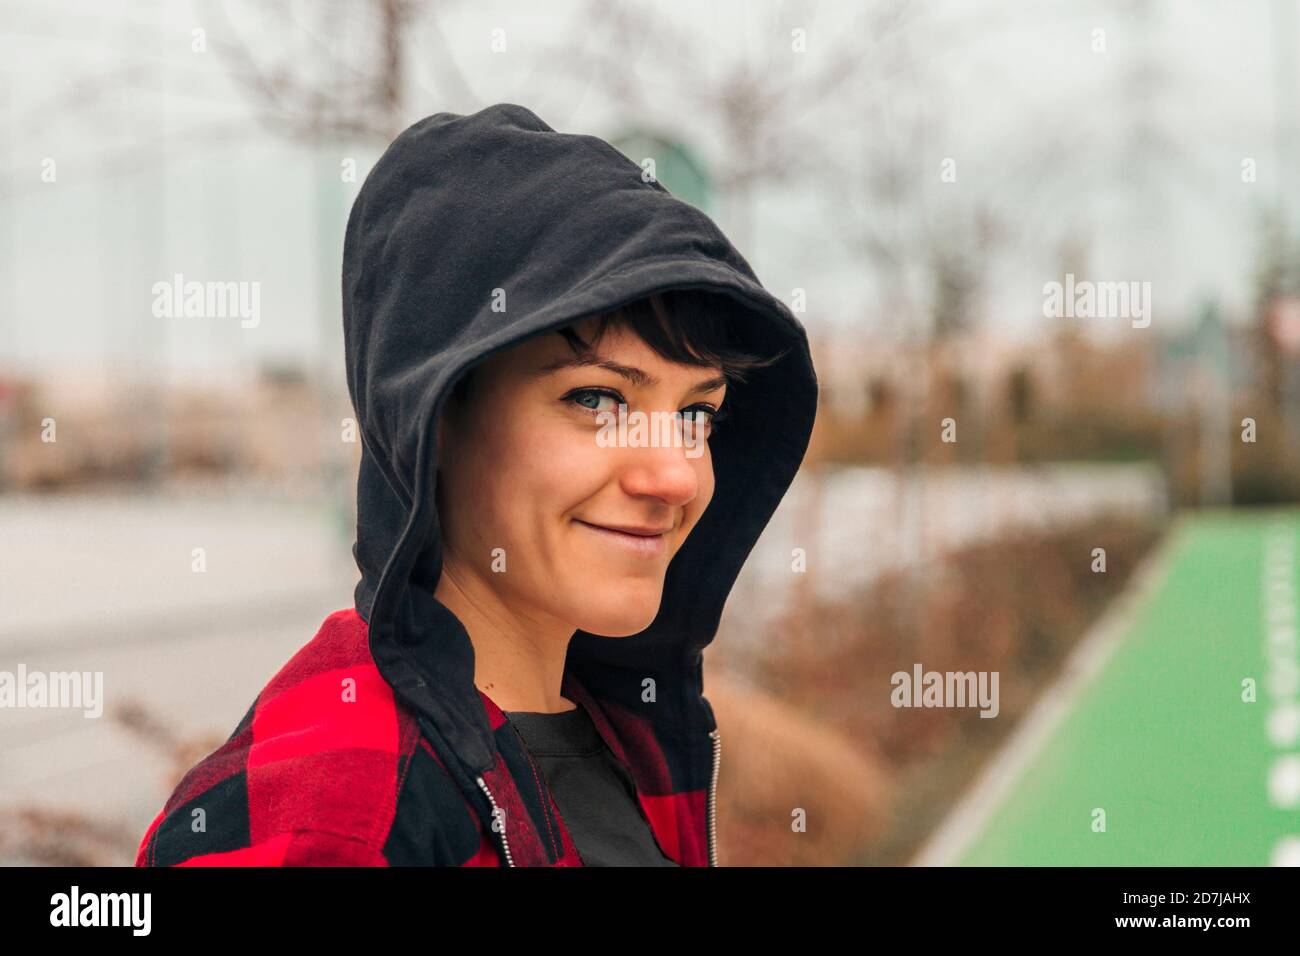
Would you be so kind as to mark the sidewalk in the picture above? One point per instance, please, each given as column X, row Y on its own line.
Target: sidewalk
column 108, row 585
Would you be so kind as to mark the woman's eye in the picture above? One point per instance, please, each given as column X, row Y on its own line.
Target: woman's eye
column 701, row 416
column 592, row 399
column 695, row 419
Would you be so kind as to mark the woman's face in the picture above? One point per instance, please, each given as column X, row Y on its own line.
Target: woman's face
column 526, row 469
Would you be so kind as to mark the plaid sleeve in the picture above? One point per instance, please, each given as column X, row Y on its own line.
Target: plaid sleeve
column 310, row 776
column 297, row 848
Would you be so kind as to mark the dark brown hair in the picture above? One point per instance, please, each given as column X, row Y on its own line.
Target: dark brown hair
column 687, row 326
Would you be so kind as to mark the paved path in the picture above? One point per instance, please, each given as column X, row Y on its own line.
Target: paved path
column 1148, row 724
column 108, row 585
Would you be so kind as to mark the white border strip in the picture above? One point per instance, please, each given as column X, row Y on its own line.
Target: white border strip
column 969, row 817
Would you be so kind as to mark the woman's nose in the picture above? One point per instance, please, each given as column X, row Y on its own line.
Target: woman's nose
column 663, row 472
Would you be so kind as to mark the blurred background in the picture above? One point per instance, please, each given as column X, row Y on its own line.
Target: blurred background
column 1099, row 508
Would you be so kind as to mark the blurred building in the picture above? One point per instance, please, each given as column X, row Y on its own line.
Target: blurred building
column 77, row 429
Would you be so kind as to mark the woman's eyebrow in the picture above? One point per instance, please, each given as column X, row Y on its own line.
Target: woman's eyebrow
column 634, row 375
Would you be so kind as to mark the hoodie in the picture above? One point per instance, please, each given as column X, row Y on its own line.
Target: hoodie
column 373, row 745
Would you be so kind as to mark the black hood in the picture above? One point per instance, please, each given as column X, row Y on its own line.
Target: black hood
column 459, row 206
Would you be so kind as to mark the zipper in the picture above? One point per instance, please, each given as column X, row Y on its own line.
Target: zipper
column 713, row 798
column 505, row 844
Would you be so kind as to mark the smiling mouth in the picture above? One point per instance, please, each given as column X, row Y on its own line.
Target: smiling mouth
column 648, row 542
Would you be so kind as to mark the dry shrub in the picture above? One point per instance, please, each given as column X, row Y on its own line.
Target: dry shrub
column 32, row 834
column 775, row 760
column 1015, row 606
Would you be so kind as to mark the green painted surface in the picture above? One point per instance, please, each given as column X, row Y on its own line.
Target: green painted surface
column 1161, row 739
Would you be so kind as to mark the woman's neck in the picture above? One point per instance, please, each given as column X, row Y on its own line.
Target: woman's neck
column 518, row 658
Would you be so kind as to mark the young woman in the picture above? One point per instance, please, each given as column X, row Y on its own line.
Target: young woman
column 579, row 409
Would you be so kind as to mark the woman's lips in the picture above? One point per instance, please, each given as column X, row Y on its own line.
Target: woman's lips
column 644, row 545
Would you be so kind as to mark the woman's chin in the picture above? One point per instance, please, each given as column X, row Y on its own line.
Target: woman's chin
column 621, row 621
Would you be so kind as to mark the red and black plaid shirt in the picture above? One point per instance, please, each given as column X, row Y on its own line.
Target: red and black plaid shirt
column 330, row 767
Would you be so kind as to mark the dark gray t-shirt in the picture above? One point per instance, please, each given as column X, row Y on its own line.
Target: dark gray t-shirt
column 593, row 791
